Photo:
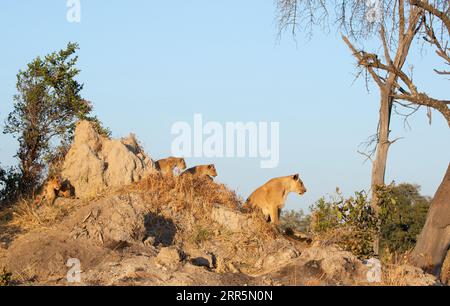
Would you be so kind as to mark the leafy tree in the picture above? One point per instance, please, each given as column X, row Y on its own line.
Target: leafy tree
column 46, row 107
column 403, row 211
column 9, row 185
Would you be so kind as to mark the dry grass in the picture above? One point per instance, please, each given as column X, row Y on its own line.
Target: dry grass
column 25, row 215
column 192, row 196
column 186, row 191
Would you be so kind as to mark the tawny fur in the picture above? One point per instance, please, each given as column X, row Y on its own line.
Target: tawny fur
column 49, row 191
column 271, row 197
column 167, row 165
column 208, row 171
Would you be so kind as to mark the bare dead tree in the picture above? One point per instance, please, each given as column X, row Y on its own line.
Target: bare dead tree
column 394, row 25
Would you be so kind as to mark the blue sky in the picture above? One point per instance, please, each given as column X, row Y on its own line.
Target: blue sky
column 147, row 64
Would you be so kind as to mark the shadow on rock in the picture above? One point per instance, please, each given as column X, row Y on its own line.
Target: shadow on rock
column 160, row 230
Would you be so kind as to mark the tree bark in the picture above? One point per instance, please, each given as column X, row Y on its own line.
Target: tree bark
column 434, row 240
column 380, row 161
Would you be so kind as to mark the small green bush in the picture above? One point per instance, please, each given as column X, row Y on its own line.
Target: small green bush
column 201, row 235
column 9, row 185
column 5, row 277
column 351, row 223
column 403, row 211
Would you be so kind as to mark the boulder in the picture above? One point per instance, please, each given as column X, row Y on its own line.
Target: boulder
column 95, row 163
column 337, row 265
column 231, row 219
column 114, row 222
column 169, row 257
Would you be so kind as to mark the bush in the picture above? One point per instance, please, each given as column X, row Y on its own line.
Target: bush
column 9, row 185
column 403, row 212
column 350, row 223
column 5, row 277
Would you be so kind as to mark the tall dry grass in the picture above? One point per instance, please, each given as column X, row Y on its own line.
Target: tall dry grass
column 26, row 215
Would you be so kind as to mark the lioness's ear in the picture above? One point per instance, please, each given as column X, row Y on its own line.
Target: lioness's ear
column 209, row 166
column 296, row 177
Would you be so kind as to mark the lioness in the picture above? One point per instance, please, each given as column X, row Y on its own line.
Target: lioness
column 208, row 171
column 49, row 191
column 167, row 165
column 271, row 197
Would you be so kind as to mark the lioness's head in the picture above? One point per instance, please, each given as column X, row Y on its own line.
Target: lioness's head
column 297, row 185
column 181, row 164
column 211, row 170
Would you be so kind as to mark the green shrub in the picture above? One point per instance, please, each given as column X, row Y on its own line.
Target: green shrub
column 201, row 235
column 403, row 211
column 351, row 223
column 5, row 277
column 9, row 185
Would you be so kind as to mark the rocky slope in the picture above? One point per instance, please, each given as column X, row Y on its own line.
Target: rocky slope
column 130, row 226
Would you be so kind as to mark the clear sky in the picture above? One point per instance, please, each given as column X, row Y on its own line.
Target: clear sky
column 147, row 64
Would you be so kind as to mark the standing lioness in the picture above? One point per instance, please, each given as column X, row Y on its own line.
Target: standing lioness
column 270, row 197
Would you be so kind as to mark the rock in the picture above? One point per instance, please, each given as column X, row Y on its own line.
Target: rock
column 278, row 258
column 41, row 256
column 95, row 163
column 114, row 222
column 169, row 257
column 231, row 219
column 374, row 273
column 337, row 265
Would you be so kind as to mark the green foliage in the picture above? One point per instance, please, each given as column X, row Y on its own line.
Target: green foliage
column 201, row 235
column 5, row 278
column 295, row 220
column 46, row 107
column 9, row 185
column 403, row 211
column 351, row 223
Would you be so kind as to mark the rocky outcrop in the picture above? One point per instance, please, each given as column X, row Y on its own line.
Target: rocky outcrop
column 232, row 219
column 95, row 163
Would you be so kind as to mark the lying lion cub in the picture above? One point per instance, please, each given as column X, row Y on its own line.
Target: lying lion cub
column 167, row 165
column 49, row 191
column 271, row 197
column 208, row 171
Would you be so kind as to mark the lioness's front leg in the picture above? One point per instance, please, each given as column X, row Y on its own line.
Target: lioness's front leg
column 274, row 218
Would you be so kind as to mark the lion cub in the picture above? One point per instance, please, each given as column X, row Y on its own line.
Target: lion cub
column 208, row 171
column 271, row 197
column 167, row 165
column 49, row 191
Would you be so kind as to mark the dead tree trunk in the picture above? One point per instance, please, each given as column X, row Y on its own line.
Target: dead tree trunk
column 434, row 240
column 383, row 143
column 380, row 162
